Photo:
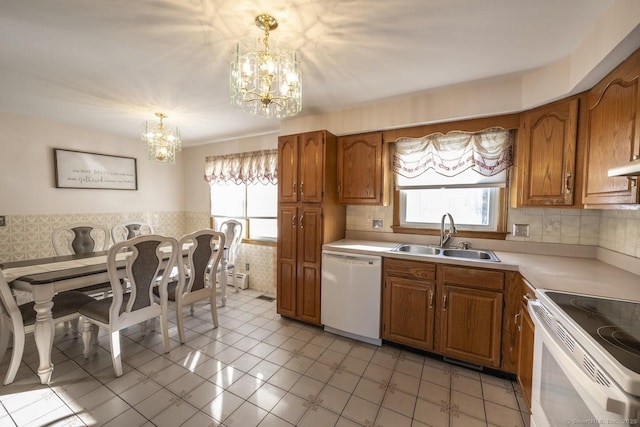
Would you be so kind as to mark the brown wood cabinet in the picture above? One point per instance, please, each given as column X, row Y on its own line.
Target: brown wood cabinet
column 525, row 352
column 546, row 155
column 470, row 314
column 363, row 169
column 613, row 135
column 450, row 310
column 308, row 216
column 409, row 302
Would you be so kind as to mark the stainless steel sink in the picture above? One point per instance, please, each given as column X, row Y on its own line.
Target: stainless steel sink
column 417, row 249
column 434, row 251
column 475, row 254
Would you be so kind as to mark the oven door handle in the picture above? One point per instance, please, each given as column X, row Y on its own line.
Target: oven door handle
column 604, row 396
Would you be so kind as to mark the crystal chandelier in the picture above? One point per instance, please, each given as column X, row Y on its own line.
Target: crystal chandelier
column 266, row 82
column 162, row 144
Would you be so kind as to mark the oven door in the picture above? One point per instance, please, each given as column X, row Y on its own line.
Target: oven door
column 567, row 392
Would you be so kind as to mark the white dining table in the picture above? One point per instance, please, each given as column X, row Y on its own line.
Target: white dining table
column 45, row 277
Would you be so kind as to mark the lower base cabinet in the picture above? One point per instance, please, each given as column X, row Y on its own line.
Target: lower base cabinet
column 471, row 325
column 450, row 310
column 409, row 297
column 525, row 349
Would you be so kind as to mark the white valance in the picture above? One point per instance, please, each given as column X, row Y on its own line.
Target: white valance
column 243, row 168
column 487, row 152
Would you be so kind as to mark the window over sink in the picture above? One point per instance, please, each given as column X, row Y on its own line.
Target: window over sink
column 461, row 173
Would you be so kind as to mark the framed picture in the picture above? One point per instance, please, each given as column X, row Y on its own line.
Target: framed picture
column 78, row 169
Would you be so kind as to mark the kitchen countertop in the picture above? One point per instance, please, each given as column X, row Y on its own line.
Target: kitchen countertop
column 571, row 274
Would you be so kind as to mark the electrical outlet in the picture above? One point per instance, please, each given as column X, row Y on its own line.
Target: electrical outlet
column 3, row 221
column 246, row 267
column 377, row 223
column 521, row 230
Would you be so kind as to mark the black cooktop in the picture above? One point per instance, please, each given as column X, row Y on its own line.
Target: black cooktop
column 614, row 324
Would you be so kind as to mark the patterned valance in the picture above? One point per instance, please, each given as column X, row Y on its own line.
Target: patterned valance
column 243, row 168
column 487, row 152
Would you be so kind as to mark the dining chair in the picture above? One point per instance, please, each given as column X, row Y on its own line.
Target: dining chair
column 19, row 320
column 130, row 229
column 80, row 238
column 196, row 280
column 232, row 230
column 141, row 261
column 83, row 238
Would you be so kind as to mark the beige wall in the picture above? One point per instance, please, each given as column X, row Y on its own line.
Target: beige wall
column 28, row 175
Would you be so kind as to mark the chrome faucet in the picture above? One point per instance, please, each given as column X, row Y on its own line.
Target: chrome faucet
column 444, row 239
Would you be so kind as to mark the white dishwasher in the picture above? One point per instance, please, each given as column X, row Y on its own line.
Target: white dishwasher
column 351, row 295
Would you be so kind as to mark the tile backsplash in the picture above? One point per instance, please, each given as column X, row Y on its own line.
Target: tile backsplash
column 617, row 230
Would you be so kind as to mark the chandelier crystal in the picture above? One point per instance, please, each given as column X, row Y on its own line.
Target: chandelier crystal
column 162, row 144
column 266, row 82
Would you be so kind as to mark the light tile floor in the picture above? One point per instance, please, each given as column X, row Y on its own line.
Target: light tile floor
column 255, row 369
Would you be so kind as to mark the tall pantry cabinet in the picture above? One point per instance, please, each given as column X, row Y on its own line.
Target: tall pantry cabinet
column 309, row 215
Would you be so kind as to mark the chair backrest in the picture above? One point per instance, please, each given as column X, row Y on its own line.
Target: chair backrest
column 9, row 306
column 144, row 259
column 129, row 230
column 201, row 261
column 232, row 230
column 80, row 238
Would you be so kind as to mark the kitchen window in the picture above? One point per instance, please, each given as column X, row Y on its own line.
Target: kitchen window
column 461, row 173
column 255, row 205
column 244, row 187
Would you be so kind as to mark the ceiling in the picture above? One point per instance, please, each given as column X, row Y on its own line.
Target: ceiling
column 110, row 64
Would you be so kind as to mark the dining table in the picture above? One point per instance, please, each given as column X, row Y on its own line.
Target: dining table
column 45, row 277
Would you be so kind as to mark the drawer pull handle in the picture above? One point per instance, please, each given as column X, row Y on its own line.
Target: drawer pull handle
column 431, row 299
column 516, row 320
column 444, row 303
column 568, row 183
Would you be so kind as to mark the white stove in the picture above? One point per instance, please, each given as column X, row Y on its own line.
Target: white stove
column 586, row 360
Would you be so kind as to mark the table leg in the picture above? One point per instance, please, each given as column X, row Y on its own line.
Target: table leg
column 223, row 280
column 44, row 330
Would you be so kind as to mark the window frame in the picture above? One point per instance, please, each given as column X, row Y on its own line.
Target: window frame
column 506, row 121
column 501, row 221
column 246, row 220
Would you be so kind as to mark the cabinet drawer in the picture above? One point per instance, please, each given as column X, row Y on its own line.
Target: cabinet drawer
column 474, row 277
column 410, row 269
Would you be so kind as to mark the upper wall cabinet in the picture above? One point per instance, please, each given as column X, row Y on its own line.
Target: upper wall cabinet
column 613, row 136
column 301, row 167
column 546, row 155
column 363, row 169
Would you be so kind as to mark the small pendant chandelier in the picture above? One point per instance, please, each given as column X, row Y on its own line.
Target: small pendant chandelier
column 266, row 82
column 162, row 144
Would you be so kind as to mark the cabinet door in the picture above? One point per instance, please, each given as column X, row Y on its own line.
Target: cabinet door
column 525, row 355
column 311, row 167
column 287, row 261
column 471, row 325
column 309, row 263
column 547, row 153
column 361, row 169
column 613, row 134
column 288, row 168
column 408, row 312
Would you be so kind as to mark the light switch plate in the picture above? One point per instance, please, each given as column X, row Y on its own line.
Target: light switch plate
column 521, row 230
column 3, row 221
